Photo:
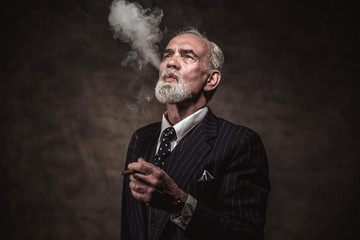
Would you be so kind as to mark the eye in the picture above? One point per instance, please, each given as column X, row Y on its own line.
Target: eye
column 189, row 56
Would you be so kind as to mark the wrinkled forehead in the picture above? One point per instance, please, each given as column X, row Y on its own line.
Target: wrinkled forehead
column 190, row 42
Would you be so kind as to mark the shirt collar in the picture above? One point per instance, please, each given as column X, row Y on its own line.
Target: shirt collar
column 185, row 125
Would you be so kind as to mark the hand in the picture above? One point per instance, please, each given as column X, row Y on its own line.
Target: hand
column 153, row 186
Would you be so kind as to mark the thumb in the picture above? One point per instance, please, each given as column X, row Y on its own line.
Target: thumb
column 141, row 160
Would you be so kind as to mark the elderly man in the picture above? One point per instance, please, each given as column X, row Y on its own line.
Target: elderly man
column 193, row 175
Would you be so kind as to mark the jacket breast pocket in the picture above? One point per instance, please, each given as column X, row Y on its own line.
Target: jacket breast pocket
column 206, row 191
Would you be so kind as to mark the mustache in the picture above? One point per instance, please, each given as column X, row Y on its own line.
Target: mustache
column 170, row 72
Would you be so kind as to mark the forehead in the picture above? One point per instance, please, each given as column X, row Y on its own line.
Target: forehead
column 188, row 41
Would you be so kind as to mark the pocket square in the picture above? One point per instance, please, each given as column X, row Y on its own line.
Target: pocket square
column 206, row 176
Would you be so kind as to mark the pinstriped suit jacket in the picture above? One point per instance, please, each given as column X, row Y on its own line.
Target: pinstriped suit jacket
column 231, row 206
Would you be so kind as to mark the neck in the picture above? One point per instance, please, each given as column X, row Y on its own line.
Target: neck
column 178, row 111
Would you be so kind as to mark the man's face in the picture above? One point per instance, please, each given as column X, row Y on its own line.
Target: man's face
column 183, row 69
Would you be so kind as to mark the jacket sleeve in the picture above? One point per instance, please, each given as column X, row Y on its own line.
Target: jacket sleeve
column 241, row 203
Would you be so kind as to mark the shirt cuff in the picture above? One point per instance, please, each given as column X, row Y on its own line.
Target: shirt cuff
column 183, row 220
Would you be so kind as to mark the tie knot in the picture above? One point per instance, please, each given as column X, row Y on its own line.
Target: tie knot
column 169, row 133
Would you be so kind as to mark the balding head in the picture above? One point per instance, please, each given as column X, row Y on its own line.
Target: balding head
column 215, row 59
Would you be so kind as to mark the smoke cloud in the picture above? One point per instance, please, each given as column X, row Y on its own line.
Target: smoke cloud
column 139, row 27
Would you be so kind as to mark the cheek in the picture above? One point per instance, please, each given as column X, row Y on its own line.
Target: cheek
column 161, row 69
column 195, row 77
column 196, row 85
column 193, row 74
column 162, row 65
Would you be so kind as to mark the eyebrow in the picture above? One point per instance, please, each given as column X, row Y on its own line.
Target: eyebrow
column 188, row 51
column 182, row 51
column 168, row 50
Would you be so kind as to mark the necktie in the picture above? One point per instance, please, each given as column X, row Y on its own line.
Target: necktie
column 165, row 146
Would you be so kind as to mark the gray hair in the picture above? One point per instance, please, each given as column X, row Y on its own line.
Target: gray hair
column 215, row 59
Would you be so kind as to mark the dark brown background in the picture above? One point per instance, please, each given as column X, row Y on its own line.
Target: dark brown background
column 68, row 109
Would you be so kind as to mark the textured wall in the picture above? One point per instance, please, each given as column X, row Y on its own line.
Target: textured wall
column 68, row 109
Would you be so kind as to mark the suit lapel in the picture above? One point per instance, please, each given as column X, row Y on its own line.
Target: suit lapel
column 187, row 156
column 147, row 144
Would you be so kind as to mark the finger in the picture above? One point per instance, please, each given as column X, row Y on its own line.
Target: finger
column 137, row 195
column 144, row 179
column 142, row 167
column 146, row 198
column 136, row 167
column 157, row 179
column 139, row 188
column 136, row 179
column 139, row 160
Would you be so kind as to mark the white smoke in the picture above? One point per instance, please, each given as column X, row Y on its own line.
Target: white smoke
column 142, row 98
column 139, row 27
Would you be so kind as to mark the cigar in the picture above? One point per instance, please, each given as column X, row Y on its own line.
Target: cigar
column 127, row 172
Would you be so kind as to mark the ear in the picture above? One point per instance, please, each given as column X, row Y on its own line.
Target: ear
column 213, row 81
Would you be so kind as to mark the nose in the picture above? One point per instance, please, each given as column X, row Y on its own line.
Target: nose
column 173, row 62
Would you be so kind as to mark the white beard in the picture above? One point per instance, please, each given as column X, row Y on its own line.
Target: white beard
column 172, row 92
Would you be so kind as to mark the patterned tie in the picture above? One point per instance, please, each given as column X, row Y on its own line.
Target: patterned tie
column 165, row 146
